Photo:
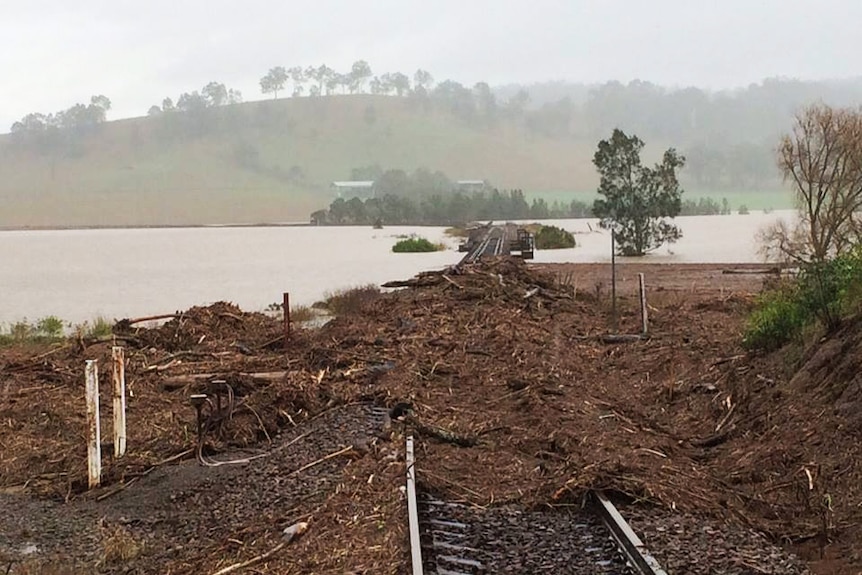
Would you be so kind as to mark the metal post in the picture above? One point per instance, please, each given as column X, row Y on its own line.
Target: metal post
column 286, row 308
column 94, row 436
column 413, row 510
column 613, row 279
column 644, row 312
column 119, row 380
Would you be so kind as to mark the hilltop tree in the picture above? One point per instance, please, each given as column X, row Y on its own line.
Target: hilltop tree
column 274, row 81
column 359, row 74
column 637, row 200
column 400, row 83
column 191, row 102
column 298, row 76
column 215, row 94
column 423, row 79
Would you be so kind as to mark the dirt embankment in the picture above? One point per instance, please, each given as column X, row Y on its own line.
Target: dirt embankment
column 502, row 356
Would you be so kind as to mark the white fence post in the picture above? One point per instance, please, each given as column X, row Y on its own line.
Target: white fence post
column 644, row 311
column 119, row 379
column 94, row 436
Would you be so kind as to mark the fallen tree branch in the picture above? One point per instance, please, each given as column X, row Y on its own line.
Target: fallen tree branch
column 441, row 433
column 148, row 318
column 179, row 381
column 291, row 533
column 308, row 466
column 451, row 281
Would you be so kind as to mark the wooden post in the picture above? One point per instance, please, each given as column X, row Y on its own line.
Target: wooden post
column 413, row 509
column 94, row 436
column 286, row 308
column 644, row 312
column 119, row 380
column 613, row 279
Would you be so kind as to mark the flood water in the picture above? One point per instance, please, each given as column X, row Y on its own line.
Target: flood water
column 78, row 275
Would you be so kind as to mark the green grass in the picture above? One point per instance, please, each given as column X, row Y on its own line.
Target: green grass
column 51, row 329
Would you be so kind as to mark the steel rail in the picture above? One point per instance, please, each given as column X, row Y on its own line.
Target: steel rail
column 627, row 540
column 413, row 510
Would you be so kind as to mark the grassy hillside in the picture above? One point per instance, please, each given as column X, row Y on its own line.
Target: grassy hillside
column 267, row 161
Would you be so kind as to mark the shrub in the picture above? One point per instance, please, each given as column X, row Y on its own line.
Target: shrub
column 829, row 288
column 51, row 326
column 46, row 330
column 554, row 238
column 350, row 300
column 743, row 210
column 778, row 318
column 302, row 313
column 414, row 245
column 824, row 291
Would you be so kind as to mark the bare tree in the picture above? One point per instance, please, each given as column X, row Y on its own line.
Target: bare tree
column 822, row 159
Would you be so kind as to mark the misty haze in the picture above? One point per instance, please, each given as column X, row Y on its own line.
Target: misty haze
column 340, row 287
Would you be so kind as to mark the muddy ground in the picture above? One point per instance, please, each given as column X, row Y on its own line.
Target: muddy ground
column 518, row 400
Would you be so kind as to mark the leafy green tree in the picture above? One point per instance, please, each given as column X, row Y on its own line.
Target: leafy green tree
column 215, row 93
column 637, row 200
column 539, row 209
column 400, row 83
column 517, row 104
column 485, row 101
column 298, row 76
column 274, row 81
column 359, row 74
column 423, row 79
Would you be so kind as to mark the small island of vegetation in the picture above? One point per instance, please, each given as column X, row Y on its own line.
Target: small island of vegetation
column 553, row 238
column 416, row 245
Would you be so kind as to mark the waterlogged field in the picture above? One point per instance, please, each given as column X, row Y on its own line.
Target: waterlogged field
column 78, row 275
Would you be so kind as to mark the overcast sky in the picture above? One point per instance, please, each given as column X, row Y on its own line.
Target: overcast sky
column 54, row 53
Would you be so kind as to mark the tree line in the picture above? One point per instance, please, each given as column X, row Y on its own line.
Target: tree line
column 213, row 95
column 426, row 198
column 57, row 131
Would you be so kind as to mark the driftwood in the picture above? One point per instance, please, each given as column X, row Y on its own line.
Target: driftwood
column 290, row 534
column 148, row 318
column 620, row 338
column 762, row 271
column 343, row 451
column 179, row 381
column 440, row 433
column 712, row 440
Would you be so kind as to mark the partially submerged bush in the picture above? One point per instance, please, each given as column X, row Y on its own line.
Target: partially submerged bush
column 416, row 244
column 554, row 238
column 350, row 300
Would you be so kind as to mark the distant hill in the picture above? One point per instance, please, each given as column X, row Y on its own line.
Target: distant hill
column 203, row 161
column 269, row 161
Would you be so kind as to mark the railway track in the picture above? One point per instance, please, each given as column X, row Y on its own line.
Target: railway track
column 491, row 243
column 449, row 538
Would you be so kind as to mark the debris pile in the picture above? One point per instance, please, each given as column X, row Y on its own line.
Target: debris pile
column 501, row 369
